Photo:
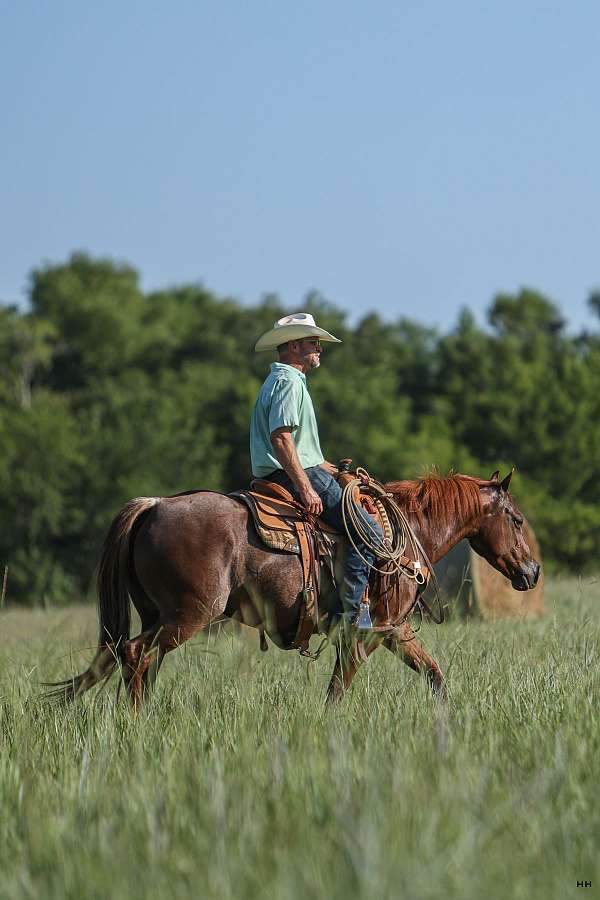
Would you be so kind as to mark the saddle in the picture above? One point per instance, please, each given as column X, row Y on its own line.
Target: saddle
column 284, row 525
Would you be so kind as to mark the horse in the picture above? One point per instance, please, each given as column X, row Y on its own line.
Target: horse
column 194, row 558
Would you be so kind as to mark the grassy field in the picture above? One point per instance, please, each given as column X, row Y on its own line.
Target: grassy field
column 236, row 782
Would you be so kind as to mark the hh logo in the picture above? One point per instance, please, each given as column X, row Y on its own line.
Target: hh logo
column 584, row 884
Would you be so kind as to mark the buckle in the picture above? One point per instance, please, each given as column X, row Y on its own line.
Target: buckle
column 417, row 568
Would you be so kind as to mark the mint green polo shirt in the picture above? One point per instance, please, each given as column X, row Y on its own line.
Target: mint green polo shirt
column 283, row 401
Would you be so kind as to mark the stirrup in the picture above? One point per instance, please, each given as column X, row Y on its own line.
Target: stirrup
column 363, row 620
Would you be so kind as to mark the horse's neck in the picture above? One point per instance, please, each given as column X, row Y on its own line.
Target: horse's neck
column 439, row 537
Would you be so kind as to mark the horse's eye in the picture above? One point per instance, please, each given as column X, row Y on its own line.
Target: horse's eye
column 517, row 520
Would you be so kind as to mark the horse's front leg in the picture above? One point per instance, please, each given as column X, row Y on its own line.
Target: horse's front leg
column 403, row 642
column 344, row 671
column 349, row 657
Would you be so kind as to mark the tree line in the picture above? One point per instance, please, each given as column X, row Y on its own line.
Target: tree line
column 108, row 393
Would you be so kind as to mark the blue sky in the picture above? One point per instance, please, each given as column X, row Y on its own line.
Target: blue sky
column 399, row 157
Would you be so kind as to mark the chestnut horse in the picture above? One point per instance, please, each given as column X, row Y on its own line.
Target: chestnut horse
column 188, row 560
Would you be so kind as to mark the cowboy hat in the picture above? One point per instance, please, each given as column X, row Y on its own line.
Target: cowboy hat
column 293, row 328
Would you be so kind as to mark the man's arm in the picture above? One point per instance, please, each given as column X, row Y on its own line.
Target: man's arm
column 285, row 451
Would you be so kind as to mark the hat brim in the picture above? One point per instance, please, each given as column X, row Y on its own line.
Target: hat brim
column 276, row 336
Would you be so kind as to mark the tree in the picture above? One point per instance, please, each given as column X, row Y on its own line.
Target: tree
column 95, row 306
column 107, row 394
column 26, row 348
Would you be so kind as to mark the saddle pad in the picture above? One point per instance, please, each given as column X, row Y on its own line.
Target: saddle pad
column 274, row 520
column 273, row 513
column 281, row 537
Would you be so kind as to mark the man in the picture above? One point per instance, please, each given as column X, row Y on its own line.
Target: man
column 285, row 448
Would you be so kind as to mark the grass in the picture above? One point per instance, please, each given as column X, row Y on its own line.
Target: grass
column 237, row 783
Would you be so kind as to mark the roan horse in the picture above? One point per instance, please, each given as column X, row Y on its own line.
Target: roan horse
column 190, row 559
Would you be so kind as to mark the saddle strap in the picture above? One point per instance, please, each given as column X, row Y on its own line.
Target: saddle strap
column 309, row 608
column 415, row 569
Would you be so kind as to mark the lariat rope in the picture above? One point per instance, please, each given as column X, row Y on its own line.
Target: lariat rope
column 398, row 534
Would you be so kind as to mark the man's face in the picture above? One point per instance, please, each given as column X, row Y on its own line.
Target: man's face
column 309, row 350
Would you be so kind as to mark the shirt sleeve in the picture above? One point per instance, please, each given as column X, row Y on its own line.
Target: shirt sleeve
column 284, row 411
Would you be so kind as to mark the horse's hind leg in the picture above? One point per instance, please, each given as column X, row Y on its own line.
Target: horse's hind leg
column 141, row 659
column 403, row 642
column 139, row 655
column 143, row 655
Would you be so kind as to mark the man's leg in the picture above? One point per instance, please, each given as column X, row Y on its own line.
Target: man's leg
column 358, row 558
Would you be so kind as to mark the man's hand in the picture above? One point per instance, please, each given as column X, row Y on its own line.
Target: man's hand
column 329, row 467
column 310, row 500
column 285, row 451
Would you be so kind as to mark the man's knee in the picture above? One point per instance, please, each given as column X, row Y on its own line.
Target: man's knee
column 324, row 484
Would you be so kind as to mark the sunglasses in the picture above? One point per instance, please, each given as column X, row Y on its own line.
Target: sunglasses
column 316, row 343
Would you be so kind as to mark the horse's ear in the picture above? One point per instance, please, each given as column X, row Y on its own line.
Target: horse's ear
column 495, row 475
column 504, row 484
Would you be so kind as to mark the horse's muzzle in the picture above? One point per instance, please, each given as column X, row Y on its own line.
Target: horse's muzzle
column 528, row 577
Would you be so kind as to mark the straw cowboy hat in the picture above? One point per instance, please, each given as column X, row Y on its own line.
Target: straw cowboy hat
column 293, row 328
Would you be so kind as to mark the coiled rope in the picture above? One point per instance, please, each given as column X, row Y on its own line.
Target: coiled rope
column 398, row 535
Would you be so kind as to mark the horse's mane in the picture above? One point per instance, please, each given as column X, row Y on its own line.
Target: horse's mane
column 439, row 497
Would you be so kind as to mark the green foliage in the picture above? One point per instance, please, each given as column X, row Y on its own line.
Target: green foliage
column 107, row 394
column 26, row 351
column 96, row 308
column 41, row 518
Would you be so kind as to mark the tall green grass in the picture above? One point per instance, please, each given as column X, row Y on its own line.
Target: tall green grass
column 236, row 782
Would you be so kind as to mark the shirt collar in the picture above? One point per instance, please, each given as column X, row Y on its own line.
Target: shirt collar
column 283, row 367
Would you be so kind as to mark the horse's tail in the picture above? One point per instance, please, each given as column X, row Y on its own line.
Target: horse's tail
column 113, row 602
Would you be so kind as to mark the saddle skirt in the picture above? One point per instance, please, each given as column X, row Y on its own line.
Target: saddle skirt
column 276, row 516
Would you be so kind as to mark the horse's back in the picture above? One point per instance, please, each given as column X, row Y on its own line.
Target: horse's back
column 191, row 539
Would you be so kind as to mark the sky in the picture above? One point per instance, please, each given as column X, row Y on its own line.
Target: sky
column 406, row 158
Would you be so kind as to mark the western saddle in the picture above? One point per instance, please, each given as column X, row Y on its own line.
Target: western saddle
column 284, row 525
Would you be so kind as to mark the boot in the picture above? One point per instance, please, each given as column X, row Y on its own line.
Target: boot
column 356, row 606
column 349, row 638
column 355, row 620
column 363, row 618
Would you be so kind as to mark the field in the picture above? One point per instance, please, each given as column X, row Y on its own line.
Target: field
column 236, row 782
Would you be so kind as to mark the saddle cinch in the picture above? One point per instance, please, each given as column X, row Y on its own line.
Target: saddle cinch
column 283, row 524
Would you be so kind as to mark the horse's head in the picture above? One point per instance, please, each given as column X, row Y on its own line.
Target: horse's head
column 500, row 539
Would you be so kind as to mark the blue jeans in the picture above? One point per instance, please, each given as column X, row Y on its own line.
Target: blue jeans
column 356, row 573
